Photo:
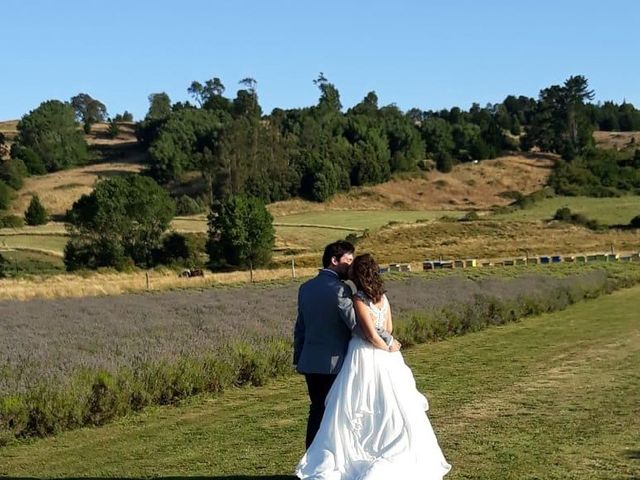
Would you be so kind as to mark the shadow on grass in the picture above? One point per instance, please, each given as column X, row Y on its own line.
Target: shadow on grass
column 632, row 454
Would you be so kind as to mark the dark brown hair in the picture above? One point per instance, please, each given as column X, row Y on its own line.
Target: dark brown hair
column 336, row 249
column 365, row 273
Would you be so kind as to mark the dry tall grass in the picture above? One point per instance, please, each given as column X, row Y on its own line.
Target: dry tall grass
column 58, row 191
column 468, row 186
column 95, row 284
column 493, row 239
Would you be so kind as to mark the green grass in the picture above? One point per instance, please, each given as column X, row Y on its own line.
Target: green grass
column 314, row 230
column 45, row 243
column 551, row 397
column 360, row 219
column 35, row 263
column 609, row 211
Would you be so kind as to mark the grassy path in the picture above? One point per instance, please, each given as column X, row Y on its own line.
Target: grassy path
column 552, row 397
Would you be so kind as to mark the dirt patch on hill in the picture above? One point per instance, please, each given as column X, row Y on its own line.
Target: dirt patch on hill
column 468, row 187
column 617, row 140
column 58, row 191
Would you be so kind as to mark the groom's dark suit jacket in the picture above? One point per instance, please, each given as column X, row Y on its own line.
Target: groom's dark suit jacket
column 325, row 321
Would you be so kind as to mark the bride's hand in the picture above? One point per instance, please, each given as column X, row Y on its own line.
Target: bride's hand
column 395, row 346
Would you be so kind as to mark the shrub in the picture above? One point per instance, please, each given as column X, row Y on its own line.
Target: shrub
column 11, row 221
column 36, row 214
column 470, row 217
column 563, row 214
column 3, row 266
column 444, row 162
column 181, row 249
column 635, row 222
column 12, row 172
column 6, row 195
column 185, row 205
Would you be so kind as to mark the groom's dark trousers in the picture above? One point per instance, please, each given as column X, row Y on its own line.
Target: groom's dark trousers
column 318, row 385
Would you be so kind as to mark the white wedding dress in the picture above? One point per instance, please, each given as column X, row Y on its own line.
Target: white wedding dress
column 374, row 425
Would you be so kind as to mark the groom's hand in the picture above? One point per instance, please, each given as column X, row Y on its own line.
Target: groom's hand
column 395, row 346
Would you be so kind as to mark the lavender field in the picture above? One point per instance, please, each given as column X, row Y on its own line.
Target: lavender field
column 49, row 341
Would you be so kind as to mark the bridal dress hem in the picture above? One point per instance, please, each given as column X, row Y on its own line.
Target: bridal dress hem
column 374, row 426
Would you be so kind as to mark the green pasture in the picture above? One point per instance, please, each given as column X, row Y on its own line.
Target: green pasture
column 313, row 230
column 42, row 243
column 361, row 219
column 550, row 397
column 609, row 211
column 20, row 262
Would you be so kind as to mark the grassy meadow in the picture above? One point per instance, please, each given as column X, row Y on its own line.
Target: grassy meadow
column 608, row 211
column 551, row 397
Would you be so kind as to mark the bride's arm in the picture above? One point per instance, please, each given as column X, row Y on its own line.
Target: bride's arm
column 367, row 324
column 388, row 323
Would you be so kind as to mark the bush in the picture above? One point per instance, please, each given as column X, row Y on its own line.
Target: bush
column 444, row 162
column 33, row 163
column 6, row 195
column 36, row 214
column 181, row 249
column 11, row 221
column 470, row 217
column 12, row 172
column 635, row 222
column 563, row 214
column 186, row 205
column 3, row 266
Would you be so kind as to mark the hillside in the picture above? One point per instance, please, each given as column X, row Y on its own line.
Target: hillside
column 59, row 190
column 468, row 187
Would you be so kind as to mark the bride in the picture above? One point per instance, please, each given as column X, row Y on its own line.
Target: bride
column 374, row 425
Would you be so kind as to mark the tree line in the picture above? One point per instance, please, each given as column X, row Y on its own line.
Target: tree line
column 246, row 158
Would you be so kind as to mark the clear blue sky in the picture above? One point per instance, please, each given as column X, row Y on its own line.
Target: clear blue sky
column 426, row 54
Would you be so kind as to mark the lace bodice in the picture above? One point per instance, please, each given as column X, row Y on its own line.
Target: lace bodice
column 378, row 314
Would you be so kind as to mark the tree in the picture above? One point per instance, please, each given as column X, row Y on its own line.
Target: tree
column 120, row 222
column 88, row 110
column 6, row 195
column 560, row 123
column 35, row 214
column 329, row 95
column 51, row 133
column 125, row 116
column 159, row 106
column 203, row 94
column 114, row 129
column 241, row 233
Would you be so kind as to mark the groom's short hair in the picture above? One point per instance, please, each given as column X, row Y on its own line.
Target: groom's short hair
column 336, row 249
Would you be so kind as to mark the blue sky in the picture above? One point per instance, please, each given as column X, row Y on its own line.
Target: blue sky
column 425, row 54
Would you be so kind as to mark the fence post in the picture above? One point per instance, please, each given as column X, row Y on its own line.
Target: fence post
column 146, row 274
column 293, row 268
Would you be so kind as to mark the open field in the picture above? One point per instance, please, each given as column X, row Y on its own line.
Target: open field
column 492, row 239
column 617, row 140
column 608, row 211
column 551, row 397
column 51, row 244
column 53, row 339
column 58, row 191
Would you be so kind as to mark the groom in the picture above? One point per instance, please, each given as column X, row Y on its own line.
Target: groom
column 323, row 328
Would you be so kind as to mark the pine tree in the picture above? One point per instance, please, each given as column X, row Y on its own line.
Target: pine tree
column 36, row 214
